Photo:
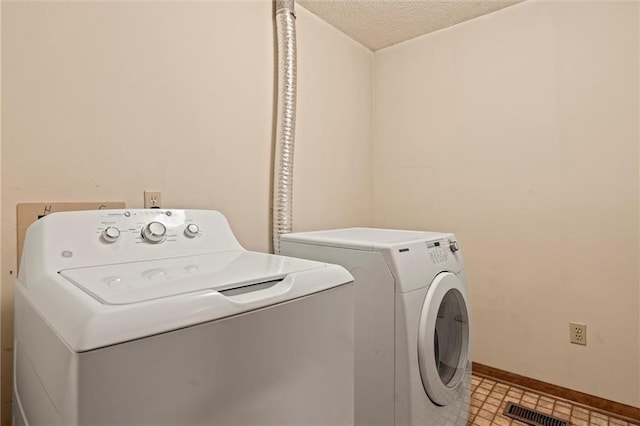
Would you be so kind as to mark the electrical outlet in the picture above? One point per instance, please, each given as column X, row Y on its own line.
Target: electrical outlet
column 152, row 199
column 578, row 333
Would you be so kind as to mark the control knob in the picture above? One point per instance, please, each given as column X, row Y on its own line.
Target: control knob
column 111, row 234
column 154, row 232
column 191, row 230
column 453, row 246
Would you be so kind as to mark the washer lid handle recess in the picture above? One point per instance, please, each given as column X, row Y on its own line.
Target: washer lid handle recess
column 443, row 338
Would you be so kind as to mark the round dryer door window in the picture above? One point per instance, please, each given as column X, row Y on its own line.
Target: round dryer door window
column 443, row 338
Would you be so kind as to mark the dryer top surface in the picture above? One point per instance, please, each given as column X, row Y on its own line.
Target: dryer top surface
column 372, row 239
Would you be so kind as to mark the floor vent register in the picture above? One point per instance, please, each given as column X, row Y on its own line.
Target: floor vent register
column 532, row 417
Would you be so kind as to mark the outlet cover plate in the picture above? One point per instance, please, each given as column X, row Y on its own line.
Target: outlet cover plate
column 578, row 333
column 152, row 199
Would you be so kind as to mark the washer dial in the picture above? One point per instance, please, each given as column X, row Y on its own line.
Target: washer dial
column 191, row 230
column 111, row 234
column 154, row 232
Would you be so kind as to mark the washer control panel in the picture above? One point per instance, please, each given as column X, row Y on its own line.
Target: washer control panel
column 114, row 236
column 147, row 226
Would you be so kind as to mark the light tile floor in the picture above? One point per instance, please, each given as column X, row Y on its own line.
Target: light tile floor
column 490, row 397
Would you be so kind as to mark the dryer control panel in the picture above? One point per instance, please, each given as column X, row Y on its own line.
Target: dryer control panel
column 415, row 263
column 438, row 252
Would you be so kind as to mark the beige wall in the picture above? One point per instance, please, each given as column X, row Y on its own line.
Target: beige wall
column 333, row 169
column 519, row 132
column 102, row 100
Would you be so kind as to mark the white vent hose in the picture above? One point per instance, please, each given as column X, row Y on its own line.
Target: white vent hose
column 285, row 121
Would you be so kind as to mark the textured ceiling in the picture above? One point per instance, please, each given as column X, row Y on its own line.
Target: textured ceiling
column 381, row 23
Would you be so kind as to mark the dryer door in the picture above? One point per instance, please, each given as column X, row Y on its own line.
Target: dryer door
column 443, row 338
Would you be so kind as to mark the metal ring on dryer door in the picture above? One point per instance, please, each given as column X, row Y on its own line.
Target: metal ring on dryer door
column 443, row 354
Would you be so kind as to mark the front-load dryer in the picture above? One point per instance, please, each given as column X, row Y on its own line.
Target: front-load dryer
column 160, row 317
column 413, row 354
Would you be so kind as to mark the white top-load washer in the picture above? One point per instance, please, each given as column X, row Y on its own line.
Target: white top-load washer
column 413, row 354
column 160, row 317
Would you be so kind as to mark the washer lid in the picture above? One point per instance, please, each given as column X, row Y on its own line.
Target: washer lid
column 95, row 307
column 134, row 282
